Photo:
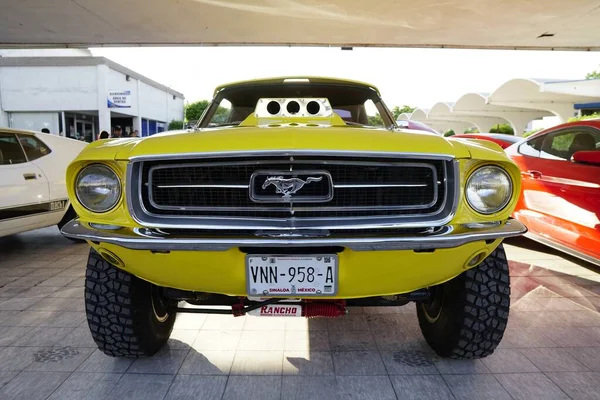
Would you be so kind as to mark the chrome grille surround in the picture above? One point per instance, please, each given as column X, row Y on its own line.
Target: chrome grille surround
column 381, row 217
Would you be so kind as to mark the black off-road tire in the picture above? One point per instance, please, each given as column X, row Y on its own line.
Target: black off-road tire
column 467, row 316
column 122, row 311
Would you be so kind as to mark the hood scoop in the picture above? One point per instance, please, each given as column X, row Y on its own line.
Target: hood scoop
column 290, row 112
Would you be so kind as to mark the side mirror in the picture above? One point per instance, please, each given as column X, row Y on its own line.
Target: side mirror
column 587, row 157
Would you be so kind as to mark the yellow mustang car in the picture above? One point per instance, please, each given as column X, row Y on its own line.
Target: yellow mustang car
column 295, row 197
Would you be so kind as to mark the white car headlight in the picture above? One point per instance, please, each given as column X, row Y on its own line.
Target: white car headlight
column 98, row 188
column 488, row 189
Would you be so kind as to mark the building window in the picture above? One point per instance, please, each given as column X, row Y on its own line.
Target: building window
column 144, row 127
column 151, row 127
column 35, row 121
column 81, row 127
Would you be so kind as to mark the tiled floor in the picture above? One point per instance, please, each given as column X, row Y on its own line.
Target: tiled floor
column 551, row 349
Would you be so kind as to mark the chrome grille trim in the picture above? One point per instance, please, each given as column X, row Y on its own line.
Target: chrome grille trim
column 389, row 185
column 292, row 207
column 286, row 222
column 203, row 186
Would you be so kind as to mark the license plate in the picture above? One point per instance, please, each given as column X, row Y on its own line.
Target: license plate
column 314, row 275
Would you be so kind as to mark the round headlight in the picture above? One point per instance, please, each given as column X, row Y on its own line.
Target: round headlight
column 98, row 188
column 489, row 189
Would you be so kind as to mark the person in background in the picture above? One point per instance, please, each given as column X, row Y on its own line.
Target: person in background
column 117, row 132
column 103, row 135
column 135, row 133
column 45, row 130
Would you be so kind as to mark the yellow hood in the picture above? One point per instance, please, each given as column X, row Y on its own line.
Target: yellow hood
column 277, row 138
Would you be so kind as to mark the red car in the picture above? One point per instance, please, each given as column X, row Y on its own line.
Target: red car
column 501, row 139
column 560, row 198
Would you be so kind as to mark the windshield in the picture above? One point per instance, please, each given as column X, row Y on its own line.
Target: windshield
column 356, row 105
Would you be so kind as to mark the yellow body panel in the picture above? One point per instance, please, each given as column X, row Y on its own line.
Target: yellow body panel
column 345, row 138
column 361, row 273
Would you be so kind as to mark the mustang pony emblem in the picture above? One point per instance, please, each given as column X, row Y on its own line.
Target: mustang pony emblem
column 288, row 186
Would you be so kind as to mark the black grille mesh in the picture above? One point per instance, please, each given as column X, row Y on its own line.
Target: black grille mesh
column 236, row 202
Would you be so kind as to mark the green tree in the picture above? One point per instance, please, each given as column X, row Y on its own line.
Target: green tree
column 396, row 111
column 584, row 117
column 593, row 75
column 502, row 128
column 220, row 116
column 449, row 133
column 193, row 111
column 375, row 120
column 175, row 124
column 472, row 129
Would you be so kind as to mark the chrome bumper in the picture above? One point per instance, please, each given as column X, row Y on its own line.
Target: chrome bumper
column 146, row 239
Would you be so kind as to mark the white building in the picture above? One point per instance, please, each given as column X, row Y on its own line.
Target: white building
column 79, row 96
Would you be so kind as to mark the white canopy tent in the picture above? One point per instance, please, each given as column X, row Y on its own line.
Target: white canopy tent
column 444, row 111
column 439, row 125
column 476, row 105
column 516, row 102
column 588, row 87
column 528, row 94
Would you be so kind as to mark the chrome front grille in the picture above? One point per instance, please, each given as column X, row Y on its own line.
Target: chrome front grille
column 355, row 189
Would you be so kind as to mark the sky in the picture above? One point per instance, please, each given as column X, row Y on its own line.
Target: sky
column 415, row 77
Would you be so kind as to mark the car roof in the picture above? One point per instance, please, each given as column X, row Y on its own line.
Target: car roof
column 283, row 79
column 20, row 131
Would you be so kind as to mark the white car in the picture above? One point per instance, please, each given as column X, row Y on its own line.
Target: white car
column 33, row 191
